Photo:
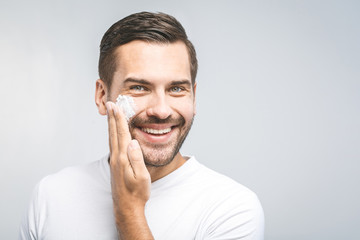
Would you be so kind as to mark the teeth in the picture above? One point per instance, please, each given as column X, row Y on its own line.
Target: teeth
column 156, row 131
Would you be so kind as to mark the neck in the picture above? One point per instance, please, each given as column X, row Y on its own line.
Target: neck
column 159, row 172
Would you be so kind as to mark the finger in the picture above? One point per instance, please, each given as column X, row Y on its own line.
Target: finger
column 123, row 133
column 137, row 160
column 113, row 138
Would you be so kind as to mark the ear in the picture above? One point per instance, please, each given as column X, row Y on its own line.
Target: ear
column 101, row 94
column 194, row 91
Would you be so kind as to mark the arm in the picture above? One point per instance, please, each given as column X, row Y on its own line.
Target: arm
column 130, row 180
column 29, row 224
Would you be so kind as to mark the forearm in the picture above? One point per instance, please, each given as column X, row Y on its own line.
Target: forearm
column 132, row 225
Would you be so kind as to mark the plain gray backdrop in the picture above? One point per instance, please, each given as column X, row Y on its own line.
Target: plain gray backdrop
column 277, row 98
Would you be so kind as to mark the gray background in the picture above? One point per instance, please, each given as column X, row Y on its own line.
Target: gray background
column 278, row 102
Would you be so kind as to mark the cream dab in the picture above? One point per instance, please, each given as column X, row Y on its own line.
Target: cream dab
column 127, row 104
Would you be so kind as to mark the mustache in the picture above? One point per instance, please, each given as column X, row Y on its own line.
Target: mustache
column 136, row 121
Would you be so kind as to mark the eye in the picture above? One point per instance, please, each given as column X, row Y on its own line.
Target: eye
column 137, row 88
column 176, row 89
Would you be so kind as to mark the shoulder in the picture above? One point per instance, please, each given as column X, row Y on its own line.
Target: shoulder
column 221, row 183
column 60, row 195
column 234, row 210
column 73, row 178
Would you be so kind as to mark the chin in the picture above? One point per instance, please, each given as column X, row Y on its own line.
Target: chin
column 158, row 156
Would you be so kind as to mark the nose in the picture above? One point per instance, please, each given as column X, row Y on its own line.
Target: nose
column 159, row 107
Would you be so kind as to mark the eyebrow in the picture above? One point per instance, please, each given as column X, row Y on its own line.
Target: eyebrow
column 181, row 82
column 134, row 80
column 146, row 82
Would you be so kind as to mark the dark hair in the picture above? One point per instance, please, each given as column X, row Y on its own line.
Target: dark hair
column 146, row 26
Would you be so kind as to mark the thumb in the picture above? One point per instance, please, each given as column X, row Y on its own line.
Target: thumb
column 137, row 160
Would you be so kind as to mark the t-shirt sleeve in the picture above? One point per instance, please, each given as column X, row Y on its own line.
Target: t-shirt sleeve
column 30, row 222
column 237, row 216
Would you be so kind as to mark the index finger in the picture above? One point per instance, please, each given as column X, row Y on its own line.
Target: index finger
column 113, row 138
column 122, row 126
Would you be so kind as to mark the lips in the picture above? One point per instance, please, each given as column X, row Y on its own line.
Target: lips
column 156, row 131
column 153, row 130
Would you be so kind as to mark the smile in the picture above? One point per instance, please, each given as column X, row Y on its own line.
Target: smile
column 156, row 131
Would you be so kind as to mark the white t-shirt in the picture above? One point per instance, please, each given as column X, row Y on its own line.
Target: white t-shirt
column 193, row 202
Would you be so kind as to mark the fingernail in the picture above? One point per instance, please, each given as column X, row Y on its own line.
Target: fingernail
column 116, row 109
column 134, row 144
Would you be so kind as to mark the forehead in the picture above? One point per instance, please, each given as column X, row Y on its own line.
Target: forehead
column 152, row 61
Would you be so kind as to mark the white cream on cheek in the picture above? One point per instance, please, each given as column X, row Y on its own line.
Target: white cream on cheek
column 127, row 104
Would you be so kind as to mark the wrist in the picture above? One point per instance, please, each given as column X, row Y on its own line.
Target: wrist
column 131, row 223
column 129, row 213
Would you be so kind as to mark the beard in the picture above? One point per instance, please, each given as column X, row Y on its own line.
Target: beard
column 159, row 155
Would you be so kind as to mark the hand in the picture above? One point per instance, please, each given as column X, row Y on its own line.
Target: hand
column 130, row 180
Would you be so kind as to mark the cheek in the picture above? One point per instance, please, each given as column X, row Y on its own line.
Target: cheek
column 140, row 104
column 185, row 108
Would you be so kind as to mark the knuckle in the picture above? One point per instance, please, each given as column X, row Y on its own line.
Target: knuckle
column 112, row 163
column 121, row 132
column 113, row 156
column 144, row 177
column 117, row 117
column 123, row 156
column 112, row 134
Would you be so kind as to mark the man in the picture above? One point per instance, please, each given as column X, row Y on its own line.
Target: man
column 144, row 189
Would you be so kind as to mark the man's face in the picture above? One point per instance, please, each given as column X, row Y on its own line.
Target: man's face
column 158, row 78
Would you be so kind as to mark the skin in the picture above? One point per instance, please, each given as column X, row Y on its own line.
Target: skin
column 158, row 77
